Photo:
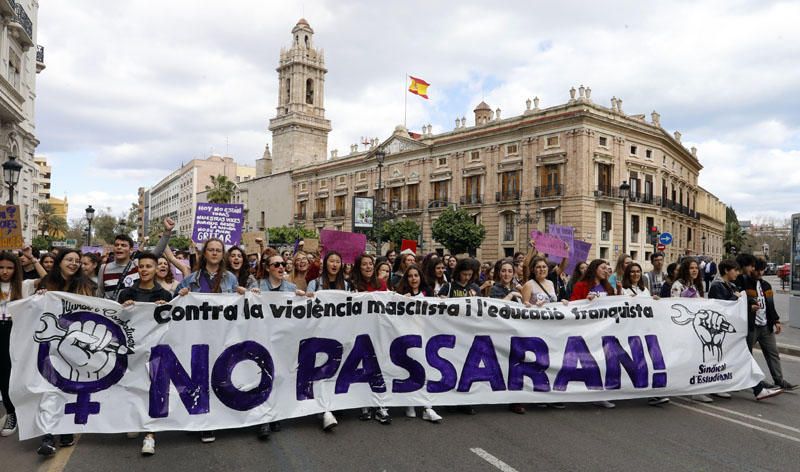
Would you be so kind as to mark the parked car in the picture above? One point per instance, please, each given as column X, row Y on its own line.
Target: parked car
column 784, row 271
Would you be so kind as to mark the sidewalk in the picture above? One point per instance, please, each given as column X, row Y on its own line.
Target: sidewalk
column 789, row 339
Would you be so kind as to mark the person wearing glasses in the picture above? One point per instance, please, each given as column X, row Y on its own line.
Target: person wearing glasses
column 274, row 278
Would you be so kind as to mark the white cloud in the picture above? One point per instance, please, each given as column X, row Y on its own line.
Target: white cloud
column 134, row 89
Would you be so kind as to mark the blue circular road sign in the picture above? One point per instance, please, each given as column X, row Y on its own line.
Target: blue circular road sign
column 665, row 239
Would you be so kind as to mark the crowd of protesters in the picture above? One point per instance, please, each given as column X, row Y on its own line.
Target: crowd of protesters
column 128, row 277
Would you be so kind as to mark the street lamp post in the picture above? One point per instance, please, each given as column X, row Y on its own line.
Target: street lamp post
column 528, row 219
column 11, row 170
column 89, row 218
column 624, row 188
column 380, row 155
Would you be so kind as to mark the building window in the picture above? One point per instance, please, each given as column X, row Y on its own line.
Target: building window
column 648, row 153
column 395, row 194
column 551, row 180
column 301, row 211
column 341, row 180
column 472, row 186
column 310, row 92
column 474, row 156
column 688, row 235
column 14, row 69
column 635, row 228
column 322, row 207
column 441, row 161
column 323, row 183
column 509, row 186
column 605, row 226
column 413, row 195
column 636, row 185
column 603, row 141
column 549, row 217
column 634, row 149
column 362, row 176
column 635, row 255
column 508, row 227
column 604, row 178
column 511, row 149
column 604, row 253
column 440, row 191
column 551, row 141
column 288, row 90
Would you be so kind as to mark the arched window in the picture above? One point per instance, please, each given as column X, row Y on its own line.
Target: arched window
column 306, row 41
column 288, row 90
column 310, row 91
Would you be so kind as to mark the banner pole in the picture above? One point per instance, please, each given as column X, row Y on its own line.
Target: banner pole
column 405, row 100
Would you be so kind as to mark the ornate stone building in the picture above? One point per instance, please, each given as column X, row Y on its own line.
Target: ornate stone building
column 562, row 164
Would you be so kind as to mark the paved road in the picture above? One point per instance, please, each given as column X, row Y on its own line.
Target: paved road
column 729, row 435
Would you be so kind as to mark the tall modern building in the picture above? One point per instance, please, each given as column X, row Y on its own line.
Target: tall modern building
column 560, row 164
column 21, row 61
column 175, row 196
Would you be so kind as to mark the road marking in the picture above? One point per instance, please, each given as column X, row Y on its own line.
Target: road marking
column 745, row 415
column 500, row 465
column 59, row 461
column 741, row 423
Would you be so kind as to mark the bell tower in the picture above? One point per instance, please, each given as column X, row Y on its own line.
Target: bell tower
column 299, row 129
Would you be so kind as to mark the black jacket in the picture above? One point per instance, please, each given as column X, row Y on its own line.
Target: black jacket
column 720, row 290
column 138, row 294
column 748, row 284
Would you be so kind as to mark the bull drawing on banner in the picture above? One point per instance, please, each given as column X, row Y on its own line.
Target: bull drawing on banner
column 710, row 327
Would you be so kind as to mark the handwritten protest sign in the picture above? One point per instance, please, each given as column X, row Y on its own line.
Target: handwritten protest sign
column 578, row 253
column 349, row 245
column 218, row 220
column 564, row 233
column 10, row 228
column 249, row 240
column 310, row 245
column 549, row 244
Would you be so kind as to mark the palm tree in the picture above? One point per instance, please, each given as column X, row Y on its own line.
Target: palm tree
column 221, row 189
column 58, row 227
column 46, row 215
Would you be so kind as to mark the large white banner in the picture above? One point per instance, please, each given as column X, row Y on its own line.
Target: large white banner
column 205, row 362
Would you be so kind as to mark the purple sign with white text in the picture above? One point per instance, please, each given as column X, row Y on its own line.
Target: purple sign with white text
column 349, row 245
column 564, row 233
column 218, row 220
column 550, row 245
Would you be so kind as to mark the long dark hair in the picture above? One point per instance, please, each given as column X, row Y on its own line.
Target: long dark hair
column 532, row 266
column 498, row 266
column 96, row 259
column 430, row 272
column 55, row 281
column 16, row 277
column 170, row 276
column 466, row 263
column 243, row 273
column 358, row 281
column 590, row 277
column 339, row 283
column 683, row 276
column 403, row 286
column 576, row 274
column 202, row 261
column 626, row 278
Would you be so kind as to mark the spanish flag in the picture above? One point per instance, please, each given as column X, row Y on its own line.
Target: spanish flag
column 418, row 87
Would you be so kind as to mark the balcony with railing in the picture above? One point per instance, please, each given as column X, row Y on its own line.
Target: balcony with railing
column 606, row 191
column 23, row 25
column 549, row 191
column 507, row 196
column 471, row 199
column 320, row 215
column 432, row 204
column 337, row 213
column 39, row 58
column 300, row 216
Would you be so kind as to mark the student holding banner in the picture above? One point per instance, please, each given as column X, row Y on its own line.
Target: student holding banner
column 364, row 277
column 235, row 262
column 10, row 290
column 66, row 276
column 298, row 274
column 633, row 283
column 539, row 289
column 435, row 274
column 331, row 278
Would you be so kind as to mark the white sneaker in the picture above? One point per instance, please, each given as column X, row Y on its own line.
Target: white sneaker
column 604, row 404
column 702, row 398
column 768, row 393
column 132, row 435
column 9, row 425
column 148, row 446
column 411, row 412
column 725, row 395
column 328, row 421
column 428, row 414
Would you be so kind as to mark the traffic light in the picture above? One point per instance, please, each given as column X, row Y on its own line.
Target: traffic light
column 653, row 234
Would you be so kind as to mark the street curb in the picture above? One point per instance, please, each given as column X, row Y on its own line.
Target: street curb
column 789, row 350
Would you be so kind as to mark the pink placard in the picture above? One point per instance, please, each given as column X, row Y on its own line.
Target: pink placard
column 349, row 245
column 549, row 244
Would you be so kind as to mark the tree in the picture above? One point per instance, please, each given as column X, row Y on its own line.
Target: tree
column 57, row 227
column 289, row 234
column 734, row 235
column 181, row 243
column 456, row 231
column 398, row 230
column 104, row 226
column 41, row 242
column 221, row 189
column 46, row 214
column 77, row 230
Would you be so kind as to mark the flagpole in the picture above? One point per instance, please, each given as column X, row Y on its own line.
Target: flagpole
column 405, row 101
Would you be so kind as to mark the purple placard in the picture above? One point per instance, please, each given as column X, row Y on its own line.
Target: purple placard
column 564, row 233
column 578, row 253
column 218, row 220
column 349, row 245
column 549, row 244
column 92, row 249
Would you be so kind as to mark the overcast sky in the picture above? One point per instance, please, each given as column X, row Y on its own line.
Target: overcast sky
column 134, row 88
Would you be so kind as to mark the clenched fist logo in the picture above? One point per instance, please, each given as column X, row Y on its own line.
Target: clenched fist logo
column 710, row 327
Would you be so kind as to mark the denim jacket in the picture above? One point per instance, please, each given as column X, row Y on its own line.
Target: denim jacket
column 285, row 286
column 192, row 282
